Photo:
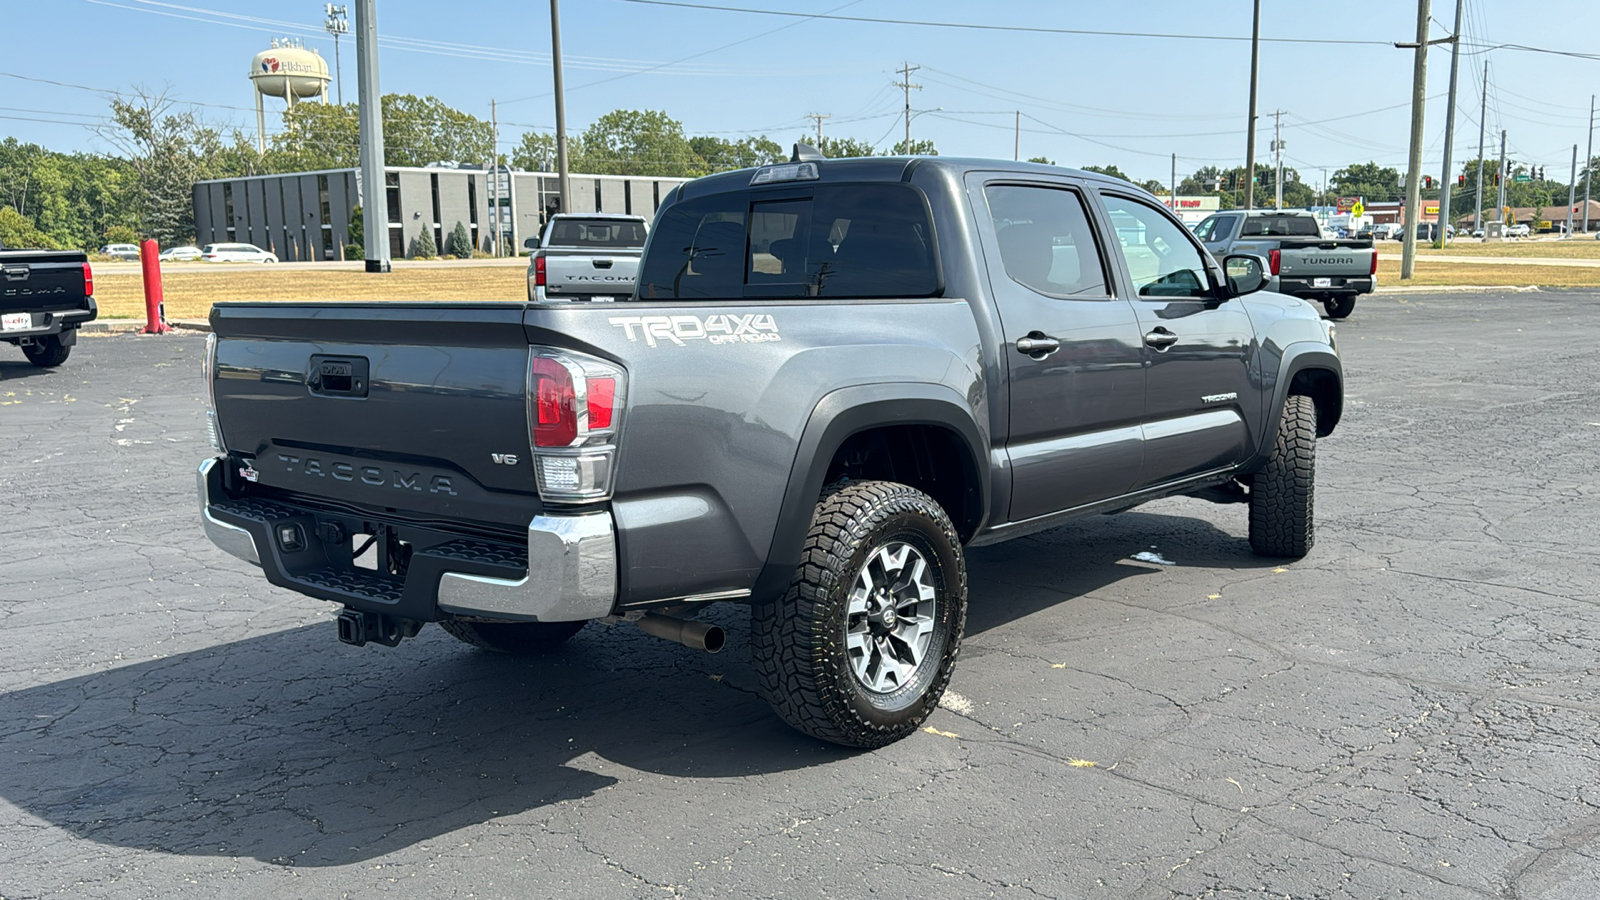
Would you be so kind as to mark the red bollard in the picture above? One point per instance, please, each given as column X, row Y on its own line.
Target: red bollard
column 155, row 317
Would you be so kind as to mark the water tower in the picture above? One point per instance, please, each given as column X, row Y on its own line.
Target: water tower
column 290, row 71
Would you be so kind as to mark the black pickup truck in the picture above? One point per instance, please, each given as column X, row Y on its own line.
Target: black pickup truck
column 44, row 296
column 832, row 378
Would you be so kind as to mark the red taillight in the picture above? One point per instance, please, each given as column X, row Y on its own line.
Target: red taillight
column 602, row 394
column 1273, row 259
column 538, row 271
column 555, row 402
column 88, row 281
column 1374, row 269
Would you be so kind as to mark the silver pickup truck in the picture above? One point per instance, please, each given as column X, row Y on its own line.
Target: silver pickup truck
column 1301, row 261
column 586, row 256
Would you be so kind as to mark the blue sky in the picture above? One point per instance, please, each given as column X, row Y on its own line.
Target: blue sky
column 1085, row 99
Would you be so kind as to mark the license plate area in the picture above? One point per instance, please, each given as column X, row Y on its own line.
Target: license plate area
column 16, row 321
column 1322, row 282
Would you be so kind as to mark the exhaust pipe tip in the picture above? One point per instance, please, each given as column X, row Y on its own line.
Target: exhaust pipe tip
column 696, row 635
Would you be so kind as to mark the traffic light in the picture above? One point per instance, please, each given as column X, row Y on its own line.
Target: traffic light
column 1496, row 179
column 1461, row 181
column 1427, row 182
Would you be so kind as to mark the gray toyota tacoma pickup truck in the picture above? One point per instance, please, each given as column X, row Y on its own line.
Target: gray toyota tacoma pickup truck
column 833, row 377
column 1300, row 261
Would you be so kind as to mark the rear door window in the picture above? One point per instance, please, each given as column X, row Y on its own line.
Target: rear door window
column 1045, row 240
column 844, row 240
column 599, row 234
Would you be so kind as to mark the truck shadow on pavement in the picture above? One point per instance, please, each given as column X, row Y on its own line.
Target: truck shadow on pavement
column 16, row 370
column 299, row 751
column 1021, row 577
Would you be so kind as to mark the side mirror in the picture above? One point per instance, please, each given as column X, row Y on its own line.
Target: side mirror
column 530, row 243
column 1246, row 274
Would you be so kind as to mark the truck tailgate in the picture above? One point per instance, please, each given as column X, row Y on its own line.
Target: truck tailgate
column 415, row 408
column 41, row 281
column 586, row 273
column 1338, row 258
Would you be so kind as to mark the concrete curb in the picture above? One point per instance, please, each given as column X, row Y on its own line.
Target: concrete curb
column 125, row 326
column 1455, row 289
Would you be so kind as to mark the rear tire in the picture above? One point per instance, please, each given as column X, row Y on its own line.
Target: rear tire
column 1340, row 307
column 47, row 352
column 1282, row 494
column 517, row 638
column 861, row 647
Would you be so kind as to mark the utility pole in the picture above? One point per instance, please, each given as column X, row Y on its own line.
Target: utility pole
column 1503, row 178
column 1588, row 167
column 1572, row 191
column 375, row 186
column 1419, row 100
column 562, row 176
column 905, row 72
column 494, row 173
column 1449, row 131
column 337, row 24
column 1483, row 115
column 1172, row 193
column 1016, row 146
column 1277, row 164
column 819, row 117
column 1250, row 137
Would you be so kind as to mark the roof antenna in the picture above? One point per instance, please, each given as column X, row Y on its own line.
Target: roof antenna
column 806, row 153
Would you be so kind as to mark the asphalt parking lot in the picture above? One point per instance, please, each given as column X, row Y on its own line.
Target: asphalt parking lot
column 1410, row 711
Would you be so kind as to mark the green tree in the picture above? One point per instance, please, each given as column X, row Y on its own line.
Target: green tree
column 838, row 148
column 1155, row 187
column 416, row 131
column 169, row 151
column 1370, row 181
column 537, row 152
column 1041, row 160
column 121, row 234
column 637, row 142
column 1208, row 181
column 1113, row 171
column 422, row 246
column 17, row 232
column 918, row 148
column 459, row 244
column 720, row 155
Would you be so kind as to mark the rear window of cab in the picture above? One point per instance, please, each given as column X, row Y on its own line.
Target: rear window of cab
column 837, row 240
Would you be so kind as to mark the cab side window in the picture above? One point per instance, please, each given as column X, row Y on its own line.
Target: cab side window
column 1046, row 241
column 1162, row 261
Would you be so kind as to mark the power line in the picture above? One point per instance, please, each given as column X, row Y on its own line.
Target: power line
column 1030, row 29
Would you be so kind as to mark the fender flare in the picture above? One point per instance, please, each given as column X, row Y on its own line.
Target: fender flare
column 837, row 416
column 1298, row 357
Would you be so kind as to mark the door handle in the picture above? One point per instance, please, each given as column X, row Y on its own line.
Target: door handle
column 1160, row 339
column 1038, row 344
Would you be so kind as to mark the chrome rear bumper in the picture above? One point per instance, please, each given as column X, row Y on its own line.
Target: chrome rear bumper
column 571, row 574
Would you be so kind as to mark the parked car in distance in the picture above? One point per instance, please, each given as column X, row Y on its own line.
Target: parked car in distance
column 121, row 251
column 1426, row 231
column 236, row 253
column 1518, row 231
column 180, row 254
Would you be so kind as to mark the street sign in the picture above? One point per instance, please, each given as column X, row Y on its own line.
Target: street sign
column 1431, row 209
column 1358, row 208
column 1522, row 178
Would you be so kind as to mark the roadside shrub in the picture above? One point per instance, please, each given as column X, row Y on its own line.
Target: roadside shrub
column 422, row 246
column 459, row 244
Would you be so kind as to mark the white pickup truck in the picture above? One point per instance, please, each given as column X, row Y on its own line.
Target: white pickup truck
column 586, row 256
